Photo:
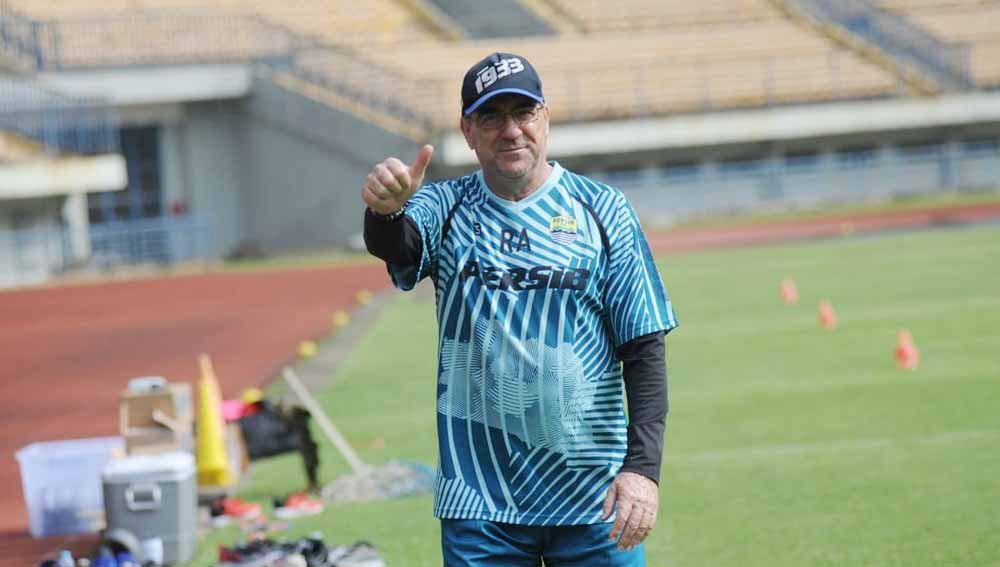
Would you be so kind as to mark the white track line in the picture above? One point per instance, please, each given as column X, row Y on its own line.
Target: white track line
column 767, row 452
column 783, row 387
column 885, row 311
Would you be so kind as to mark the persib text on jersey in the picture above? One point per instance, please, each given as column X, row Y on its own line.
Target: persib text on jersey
column 523, row 279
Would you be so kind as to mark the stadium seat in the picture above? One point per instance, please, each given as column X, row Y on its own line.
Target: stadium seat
column 334, row 21
column 975, row 22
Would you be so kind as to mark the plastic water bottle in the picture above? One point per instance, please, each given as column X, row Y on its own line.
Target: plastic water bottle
column 105, row 558
column 65, row 559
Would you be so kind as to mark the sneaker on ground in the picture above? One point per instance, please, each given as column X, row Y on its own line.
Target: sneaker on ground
column 361, row 554
column 236, row 508
column 254, row 554
column 312, row 549
column 297, row 505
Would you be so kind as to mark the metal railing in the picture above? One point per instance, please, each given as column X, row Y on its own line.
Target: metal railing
column 946, row 63
column 687, row 190
column 160, row 240
column 20, row 38
column 36, row 254
column 62, row 124
column 141, row 37
column 163, row 38
column 358, row 79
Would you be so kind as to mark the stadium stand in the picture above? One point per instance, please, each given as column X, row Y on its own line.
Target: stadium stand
column 925, row 62
column 933, row 5
column 505, row 18
column 558, row 19
column 716, row 54
column 756, row 57
column 16, row 147
column 138, row 38
column 598, row 15
column 976, row 22
column 372, row 22
column 652, row 72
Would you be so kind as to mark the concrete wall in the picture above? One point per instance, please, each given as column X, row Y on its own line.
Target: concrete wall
column 209, row 172
column 31, row 240
column 678, row 186
column 303, row 165
column 275, row 170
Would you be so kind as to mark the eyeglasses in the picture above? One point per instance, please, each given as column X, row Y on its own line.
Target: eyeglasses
column 495, row 120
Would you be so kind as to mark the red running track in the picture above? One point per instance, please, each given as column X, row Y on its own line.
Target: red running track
column 67, row 352
column 692, row 239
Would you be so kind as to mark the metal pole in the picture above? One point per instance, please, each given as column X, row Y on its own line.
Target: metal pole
column 323, row 420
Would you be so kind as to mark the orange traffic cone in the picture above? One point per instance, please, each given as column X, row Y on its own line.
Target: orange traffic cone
column 827, row 315
column 907, row 353
column 789, row 291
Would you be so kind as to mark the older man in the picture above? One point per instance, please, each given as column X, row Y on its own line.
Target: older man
column 550, row 308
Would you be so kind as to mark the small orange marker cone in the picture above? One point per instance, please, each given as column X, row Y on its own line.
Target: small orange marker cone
column 307, row 349
column 907, row 353
column 339, row 319
column 364, row 297
column 789, row 291
column 827, row 315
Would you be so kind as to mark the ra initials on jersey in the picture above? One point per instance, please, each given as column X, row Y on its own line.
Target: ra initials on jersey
column 511, row 241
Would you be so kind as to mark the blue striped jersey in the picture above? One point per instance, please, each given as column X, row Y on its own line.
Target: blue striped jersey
column 533, row 297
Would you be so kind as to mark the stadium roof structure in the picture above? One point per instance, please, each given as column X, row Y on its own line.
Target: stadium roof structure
column 54, row 144
column 752, row 125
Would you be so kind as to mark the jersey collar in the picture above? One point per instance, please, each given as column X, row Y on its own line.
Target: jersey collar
column 550, row 182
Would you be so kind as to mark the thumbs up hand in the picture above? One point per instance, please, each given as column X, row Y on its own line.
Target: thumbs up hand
column 391, row 183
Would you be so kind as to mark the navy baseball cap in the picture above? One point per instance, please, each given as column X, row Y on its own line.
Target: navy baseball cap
column 497, row 74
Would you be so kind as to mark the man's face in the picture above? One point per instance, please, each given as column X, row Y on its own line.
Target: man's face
column 510, row 135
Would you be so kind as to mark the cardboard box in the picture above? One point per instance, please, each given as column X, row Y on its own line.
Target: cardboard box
column 236, row 450
column 157, row 420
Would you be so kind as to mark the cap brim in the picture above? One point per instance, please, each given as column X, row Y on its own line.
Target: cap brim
column 492, row 94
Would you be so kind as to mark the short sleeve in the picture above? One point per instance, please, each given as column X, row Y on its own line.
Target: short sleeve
column 428, row 209
column 636, row 300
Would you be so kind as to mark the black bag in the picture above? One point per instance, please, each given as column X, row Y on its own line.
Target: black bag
column 275, row 430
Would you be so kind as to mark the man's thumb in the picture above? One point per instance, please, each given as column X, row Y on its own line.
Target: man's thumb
column 420, row 164
column 609, row 501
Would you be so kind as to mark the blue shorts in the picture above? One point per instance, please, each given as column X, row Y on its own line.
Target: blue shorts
column 477, row 543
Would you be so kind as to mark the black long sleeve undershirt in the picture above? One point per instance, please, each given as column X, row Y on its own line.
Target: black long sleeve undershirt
column 643, row 359
column 397, row 242
column 645, row 373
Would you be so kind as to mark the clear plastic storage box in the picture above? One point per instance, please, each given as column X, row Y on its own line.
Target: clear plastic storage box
column 62, row 484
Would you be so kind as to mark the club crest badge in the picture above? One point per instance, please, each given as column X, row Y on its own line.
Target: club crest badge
column 562, row 229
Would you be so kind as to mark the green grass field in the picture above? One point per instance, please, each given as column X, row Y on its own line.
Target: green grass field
column 787, row 445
